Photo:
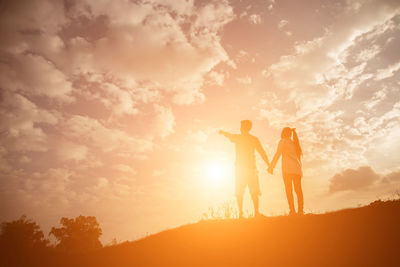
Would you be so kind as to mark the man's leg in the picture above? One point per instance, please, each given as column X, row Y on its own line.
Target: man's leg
column 287, row 179
column 299, row 193
column 239, row 199
column 254, row 189
column 255, row 199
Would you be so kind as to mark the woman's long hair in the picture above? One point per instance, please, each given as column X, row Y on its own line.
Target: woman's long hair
column 299, row 151
column 291, row 133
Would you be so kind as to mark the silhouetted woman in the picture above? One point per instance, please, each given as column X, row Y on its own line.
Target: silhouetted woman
column 289, row 148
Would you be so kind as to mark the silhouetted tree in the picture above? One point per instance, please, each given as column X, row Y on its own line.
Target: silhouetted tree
column 21, row 241
column 79, row 234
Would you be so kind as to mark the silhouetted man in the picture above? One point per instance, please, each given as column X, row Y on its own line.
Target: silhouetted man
column 246, row 170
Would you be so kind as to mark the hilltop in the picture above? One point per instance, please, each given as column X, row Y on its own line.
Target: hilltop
column 365, row 236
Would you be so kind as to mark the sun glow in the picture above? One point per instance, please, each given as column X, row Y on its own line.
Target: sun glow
column 216, row 173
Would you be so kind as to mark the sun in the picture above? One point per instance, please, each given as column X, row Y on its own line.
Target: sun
column 216, row 172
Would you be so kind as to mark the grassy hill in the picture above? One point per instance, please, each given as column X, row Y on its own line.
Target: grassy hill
column 366, row 236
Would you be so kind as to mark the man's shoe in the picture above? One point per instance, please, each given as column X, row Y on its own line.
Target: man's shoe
column 292, row 212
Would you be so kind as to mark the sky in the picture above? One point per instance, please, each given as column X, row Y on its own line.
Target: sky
column 112, row 108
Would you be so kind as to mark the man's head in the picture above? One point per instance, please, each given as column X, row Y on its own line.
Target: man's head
column 245, row 126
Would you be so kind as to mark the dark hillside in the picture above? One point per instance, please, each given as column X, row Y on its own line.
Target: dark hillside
column 367, row 236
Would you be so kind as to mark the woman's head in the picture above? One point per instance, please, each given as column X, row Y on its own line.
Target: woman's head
column 288, row 133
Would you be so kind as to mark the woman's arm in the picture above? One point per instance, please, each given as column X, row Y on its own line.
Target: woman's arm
column 277, row 155
column 262, row 153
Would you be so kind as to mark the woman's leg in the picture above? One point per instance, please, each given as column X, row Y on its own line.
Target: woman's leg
column 287, row 179
column 299, row 192
column 255, row 199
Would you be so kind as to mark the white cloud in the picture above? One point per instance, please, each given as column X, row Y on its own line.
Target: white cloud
column 244, row 80
column 217, row 78
column 377, row 98
column 66, row 151
column 25, row 159
column 368, row 53
column 124, row 168
column 255, row 19
column 197, row 136
column 107, row 139
column 122, row 103
column 20, row 124
column 24, row 23
column 4, row 163
column 164, row 121
column 317, row 74
column 387, row 72
column 146, row 43
column 282, row 24
column 25, row 73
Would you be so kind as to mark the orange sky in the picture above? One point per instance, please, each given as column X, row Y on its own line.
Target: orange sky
column 112, row 108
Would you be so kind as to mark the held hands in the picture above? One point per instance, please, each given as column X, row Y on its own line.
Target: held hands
column 270, row 170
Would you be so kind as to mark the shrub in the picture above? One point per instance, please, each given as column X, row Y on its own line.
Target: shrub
column 21, row 241
column 78, row 235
